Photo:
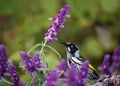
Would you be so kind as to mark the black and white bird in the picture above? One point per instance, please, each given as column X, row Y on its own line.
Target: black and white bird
column 74, row 56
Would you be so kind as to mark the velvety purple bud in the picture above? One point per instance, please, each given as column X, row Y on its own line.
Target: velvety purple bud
column 82, row 74
column 52, row 78
column 62, row 67
column 31, row 63
column 105, row 67
column 3, row 61
column 28, row 62
column 115, row 59
column 36, row 61
column 72, row 76
column 14, row 76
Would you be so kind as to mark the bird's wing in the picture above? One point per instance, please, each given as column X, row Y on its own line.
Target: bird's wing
column 91, row 67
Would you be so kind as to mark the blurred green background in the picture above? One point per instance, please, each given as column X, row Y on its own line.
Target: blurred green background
column 94, row 26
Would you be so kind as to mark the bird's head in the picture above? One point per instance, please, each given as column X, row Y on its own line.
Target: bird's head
column 71, row 48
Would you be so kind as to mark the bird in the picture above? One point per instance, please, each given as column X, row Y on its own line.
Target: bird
column 74, row 56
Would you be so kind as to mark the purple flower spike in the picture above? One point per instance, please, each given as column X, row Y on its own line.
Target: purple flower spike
column 105, row 67
column 115, row 59
column 72, row 76
column 82, row 74
column 78, row 78
column 31, row 64
column 3, row 61
column 14, row 77
column 57, row 24
column 62, row 67
column 36, row 61
column 27, row 61
column 52, row 78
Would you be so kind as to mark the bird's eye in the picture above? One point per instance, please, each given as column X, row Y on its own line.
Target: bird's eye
column 71, row 46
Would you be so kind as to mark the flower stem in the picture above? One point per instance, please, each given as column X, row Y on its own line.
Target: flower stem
column 42, row 53
column 44, row 43
column 6, row 81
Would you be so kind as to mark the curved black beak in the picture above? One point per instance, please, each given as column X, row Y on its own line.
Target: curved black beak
column 64, row 43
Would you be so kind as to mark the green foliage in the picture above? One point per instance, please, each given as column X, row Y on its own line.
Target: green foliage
column 109, row 5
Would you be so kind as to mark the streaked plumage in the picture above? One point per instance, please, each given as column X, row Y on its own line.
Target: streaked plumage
column 73, row 56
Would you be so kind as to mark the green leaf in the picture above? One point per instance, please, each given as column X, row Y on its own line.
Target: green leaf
column 109, row 5
column 6, row 81
column 41, row 77
column 2, row 83
column 44, row 69
column 29, row 81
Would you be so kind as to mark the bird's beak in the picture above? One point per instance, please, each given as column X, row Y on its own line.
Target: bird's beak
column 64, row 43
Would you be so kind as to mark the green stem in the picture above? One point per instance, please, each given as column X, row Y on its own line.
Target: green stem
column 29, row 81
column 54, row 50
column 37, row 45
column 44, row 43
column 42, row 53
column 6, row 81
column 44, row 69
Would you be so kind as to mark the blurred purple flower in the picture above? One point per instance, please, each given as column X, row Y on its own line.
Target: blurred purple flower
column 77, row 78
column 31, row 63
column 105, row 67
column 116, row 80
column 72, row 76
column 52, row 78
column 115, row 59
column 37, row 61
column 57, row 24
column 62, row 67
column 82, row 74
column 99, row 84
column 3, row 61
column 14, row 77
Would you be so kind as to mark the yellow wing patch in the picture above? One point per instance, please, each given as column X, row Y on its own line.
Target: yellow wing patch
column 91, row 67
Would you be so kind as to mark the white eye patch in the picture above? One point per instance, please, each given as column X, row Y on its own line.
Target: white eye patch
column 69, row 49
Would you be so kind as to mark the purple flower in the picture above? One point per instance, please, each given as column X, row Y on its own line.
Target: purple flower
column 105, row 67
column 31, row 63
column 82, row 74
column 115, row 59
column 77, row 78
column 36, row 61
column 99, row 84
column 3, row 61
column 57, row 24
column 52, row 78
column 14, row 77
column 62, row 67
column 72, row 76
column 116, row 80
